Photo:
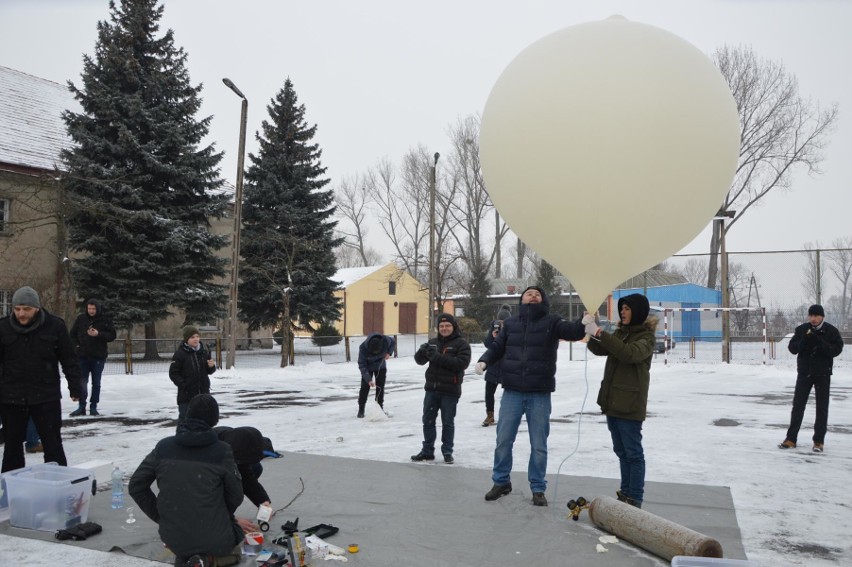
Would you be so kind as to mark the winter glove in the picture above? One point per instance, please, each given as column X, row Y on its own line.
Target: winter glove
column 432, row 352
column 588, row 318
column 79, row 532
column 591, row 328
column 423, row 349
column 480, row 368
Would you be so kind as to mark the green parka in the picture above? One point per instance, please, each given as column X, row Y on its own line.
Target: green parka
column 627, row 374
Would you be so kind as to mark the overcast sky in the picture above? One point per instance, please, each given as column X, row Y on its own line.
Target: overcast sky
column 380, row 76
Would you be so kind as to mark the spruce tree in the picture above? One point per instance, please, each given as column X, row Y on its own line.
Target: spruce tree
column 140, row 186
column 288, row 241
column 478, row 306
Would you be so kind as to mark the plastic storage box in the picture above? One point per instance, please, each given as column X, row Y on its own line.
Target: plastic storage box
column 686, row 561
column 48, row 497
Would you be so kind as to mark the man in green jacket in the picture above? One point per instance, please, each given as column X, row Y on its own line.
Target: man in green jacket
column 623, row 396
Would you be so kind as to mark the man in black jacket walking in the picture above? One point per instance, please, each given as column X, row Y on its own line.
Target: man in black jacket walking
column 815, row 343
column 199, row 490
column 91, row 332
column 33, row 344
column 447, row 355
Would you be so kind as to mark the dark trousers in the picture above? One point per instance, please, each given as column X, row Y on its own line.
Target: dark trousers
column 48, row 422
column 95, row 367
column 627, row 445
column 822, row 387
column 433, row 402
column 378, row 377
column 490, row 389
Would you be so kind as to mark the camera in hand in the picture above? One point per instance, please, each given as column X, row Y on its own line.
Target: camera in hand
column 496, row 326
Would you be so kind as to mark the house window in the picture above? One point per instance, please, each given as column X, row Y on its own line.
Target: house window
column 391, row 288
column 4, row 214
column 5, row 302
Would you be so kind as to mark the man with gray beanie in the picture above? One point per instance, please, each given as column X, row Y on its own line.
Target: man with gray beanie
column 190, row 370
column 33, row 344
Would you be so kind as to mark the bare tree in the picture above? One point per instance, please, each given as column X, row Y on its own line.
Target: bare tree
column 780, row 133
column 813, row 278
column 840, row 264
column 695, row 271
column 351, row 199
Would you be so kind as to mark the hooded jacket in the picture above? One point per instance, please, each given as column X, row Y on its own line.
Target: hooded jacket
column 247, row 445
column 369, row 362
column 527, row 346
column 30, row 358
column 93, row 347
column 190, row 373
column 627, row 372
column 199, row 491
column 815, row 348
column 445, row 372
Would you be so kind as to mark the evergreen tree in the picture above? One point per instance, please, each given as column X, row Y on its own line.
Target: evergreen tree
column 288, row 240
column 546, row 280
column 138, row 183
column 478, row 307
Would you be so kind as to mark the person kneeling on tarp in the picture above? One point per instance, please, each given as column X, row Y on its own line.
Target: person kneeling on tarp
column 199, row 490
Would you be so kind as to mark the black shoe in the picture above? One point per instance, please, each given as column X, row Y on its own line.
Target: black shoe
column 198, row 561
column 497, row 491
column 421, row 456
column 94, row 411
column 449, row 459
column 634, row 503
column 622, row 497
column 539, row 499
column 360, row 413
column 78, row 412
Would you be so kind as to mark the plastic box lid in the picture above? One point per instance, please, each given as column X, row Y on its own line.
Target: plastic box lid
column 689, row 561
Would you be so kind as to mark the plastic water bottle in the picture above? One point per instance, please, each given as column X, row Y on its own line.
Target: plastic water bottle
column 117, row 489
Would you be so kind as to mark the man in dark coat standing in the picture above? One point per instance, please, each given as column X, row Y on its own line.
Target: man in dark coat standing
column 190, row 370
column 199, row 490
column 527, row 347
column 91, row 332
column 448, row 355
column 815, row 345
column 372, row 354
column 33, row 344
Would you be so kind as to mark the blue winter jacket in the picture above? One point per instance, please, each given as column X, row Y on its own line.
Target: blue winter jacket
column 369, row 362
column 493, row 373
column 527, row 347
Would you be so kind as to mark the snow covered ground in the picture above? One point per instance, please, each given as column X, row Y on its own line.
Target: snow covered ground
column 708, row 424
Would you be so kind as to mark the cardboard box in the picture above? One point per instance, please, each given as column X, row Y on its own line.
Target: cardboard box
column 48, row 497
column 102, row 469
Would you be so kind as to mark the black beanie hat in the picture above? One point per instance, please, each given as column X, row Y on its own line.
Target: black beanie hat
column 816, row 309
column 446, row 318
column 639, row 307
column 246, row 443
column 374, row 345
column 205, row 408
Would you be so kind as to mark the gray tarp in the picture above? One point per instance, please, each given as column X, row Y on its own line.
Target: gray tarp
column 409, row 514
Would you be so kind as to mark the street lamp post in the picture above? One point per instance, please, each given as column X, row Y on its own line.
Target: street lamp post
column 432, row 267
column 238, row 221
column 726, row 298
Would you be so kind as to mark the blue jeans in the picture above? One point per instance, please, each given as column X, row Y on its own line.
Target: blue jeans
column 32, row 435
column 536, row 407
column 432, row 403
column 95, row 367
column 627, row 445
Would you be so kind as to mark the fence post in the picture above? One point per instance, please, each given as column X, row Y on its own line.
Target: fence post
column 128, row 355
column 219, row 351
column 292, row 353
column 346, row 346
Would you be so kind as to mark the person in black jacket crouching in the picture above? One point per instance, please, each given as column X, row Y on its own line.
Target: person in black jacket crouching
column 199, row 490
column 448, row 355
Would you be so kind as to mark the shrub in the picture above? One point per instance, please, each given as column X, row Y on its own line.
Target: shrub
column 326, row 335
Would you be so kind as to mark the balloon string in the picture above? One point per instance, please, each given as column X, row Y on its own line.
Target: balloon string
column 579, row 425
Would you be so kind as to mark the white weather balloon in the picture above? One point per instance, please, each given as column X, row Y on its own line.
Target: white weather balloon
column 607, row 147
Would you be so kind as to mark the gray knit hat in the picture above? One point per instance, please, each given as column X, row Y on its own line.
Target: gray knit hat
column 26, row 296
column 188, row 331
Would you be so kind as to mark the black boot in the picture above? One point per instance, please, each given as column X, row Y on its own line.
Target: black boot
column 360, row 411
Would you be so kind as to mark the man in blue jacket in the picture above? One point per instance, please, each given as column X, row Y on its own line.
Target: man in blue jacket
column 527, row 348
column 372, row 354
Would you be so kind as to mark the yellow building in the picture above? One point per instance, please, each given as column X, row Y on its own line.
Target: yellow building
column 381, row 299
